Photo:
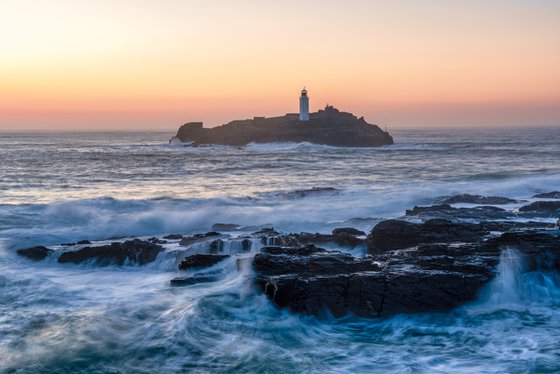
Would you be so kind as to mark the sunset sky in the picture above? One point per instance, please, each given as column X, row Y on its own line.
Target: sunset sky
column 147, row 64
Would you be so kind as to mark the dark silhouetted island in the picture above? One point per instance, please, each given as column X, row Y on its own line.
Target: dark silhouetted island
column 328, row 126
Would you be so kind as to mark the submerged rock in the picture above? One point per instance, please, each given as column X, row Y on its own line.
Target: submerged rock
column 173, row 237
column 315, row 191
column 541, row 209
column 225, row 227
column 188, row 240
column 195, row 279
column 201, row 260
column 448, row 212
column 548, row 195
column 475, row 199
column 135, row 251
column 37, row 253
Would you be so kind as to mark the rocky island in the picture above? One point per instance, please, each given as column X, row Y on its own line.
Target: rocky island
column 328, row 126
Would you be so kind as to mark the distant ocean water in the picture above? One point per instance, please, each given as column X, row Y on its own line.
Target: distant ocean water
column 63, row 187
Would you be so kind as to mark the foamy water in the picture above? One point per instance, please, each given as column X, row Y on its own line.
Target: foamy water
column 82, row 318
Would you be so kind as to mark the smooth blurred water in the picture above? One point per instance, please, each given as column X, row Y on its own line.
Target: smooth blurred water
column 57, row 188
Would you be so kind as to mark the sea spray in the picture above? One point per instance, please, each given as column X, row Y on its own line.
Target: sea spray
column 72, row 318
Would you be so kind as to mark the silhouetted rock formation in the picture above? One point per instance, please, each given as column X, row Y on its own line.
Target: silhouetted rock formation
column 328, row 126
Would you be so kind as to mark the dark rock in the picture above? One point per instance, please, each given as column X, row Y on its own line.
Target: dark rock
column 315, row 191
column 136, row 250
column 345, row 284
column 323, row 263
column 68, row 244
column 37, row 253
column 201, row 260
column 157, row 241
column 195, row 279
column 548, row 195
column 225, row 227
column 217, row 246
column 174, row 237
column 305, row 238
column 503, row 226
column 246, row 245
column 328, row 126
column 83, row 242
column 542, row 250
column 301, row 251
column 475, row 199
column 541, row 209
column 188, row 240
column 433, row 277
column 448, row 212
column 394, row 234
column 266, row 231
column 348, row 237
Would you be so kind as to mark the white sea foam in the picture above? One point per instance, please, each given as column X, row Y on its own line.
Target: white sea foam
column 82, row 318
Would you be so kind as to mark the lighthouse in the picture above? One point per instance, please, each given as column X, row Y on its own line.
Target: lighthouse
column 304, row 106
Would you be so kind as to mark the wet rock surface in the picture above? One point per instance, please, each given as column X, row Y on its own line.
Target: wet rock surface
column 135, row 251
column 190, row 239
column 395, row 234
column 189, row 281
column 548, row 195
column 446, row 211
column 37, row 253
column 201, row 260
column 435, row 258
column 431, row 277
column 225, row 227
column 541, row 209
column 475, row 199
column 348, row 236
column 315, row 191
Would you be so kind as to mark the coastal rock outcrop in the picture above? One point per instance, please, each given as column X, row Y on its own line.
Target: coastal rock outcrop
column 37, row 253
column 136, row 251
column 200, row 260
column 541, row 209
column 548, row 195
column 394, row 234
column 475, row 199
column 431, row 277
column 446, row 211
column 329, row 127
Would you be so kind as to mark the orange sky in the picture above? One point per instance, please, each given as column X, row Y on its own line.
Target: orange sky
column 143, row 64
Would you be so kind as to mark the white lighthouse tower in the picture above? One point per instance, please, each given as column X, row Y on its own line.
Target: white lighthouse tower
column 304, row 106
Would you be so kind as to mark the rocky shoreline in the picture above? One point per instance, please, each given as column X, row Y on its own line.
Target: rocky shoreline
column 434, row 258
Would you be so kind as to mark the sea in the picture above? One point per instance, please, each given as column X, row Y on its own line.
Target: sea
column 64, row 187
